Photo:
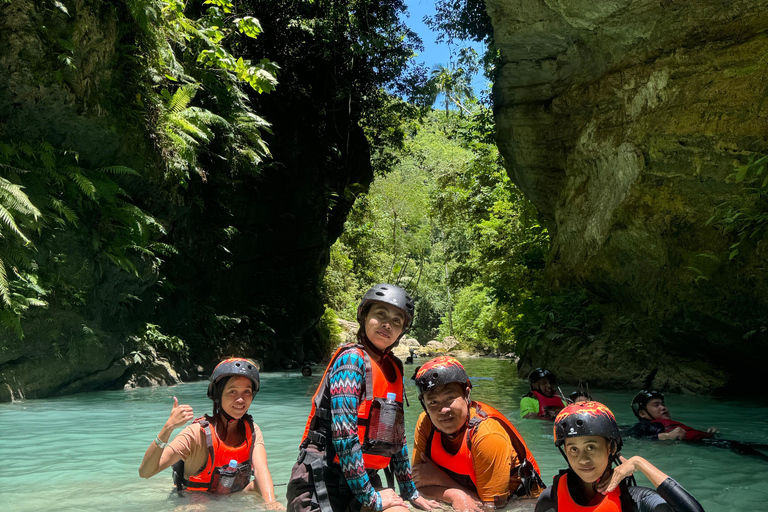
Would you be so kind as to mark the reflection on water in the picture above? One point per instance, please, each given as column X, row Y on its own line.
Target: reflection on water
column 82, row 452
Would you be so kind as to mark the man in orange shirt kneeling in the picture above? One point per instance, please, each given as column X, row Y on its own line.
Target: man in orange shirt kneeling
column 467, row 453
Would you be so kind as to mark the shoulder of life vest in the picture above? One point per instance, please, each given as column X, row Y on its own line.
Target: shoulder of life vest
column 561, row 496
column 485, row 411
column 376, row 385
column 219, row 456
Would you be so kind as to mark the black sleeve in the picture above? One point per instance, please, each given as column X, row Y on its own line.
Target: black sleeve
column 678, row 498
column 645, row 429
column 668, row 497
column 545, row 502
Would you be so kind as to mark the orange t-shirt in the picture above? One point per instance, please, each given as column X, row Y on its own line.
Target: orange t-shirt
column 190, row 445
column 492, row 455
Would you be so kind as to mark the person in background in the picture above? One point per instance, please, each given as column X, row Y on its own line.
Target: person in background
column 306, row 371
column 356, row 425
column 219, row 453
column 588, row 437
column 655, row 422
column 541, row 402
column 579, row 396
column 466, row 453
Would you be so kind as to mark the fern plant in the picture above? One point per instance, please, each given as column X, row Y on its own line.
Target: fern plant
column 72, row 198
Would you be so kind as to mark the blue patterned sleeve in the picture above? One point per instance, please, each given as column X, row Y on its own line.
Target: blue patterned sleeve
column 346, row 382
column 401, row 466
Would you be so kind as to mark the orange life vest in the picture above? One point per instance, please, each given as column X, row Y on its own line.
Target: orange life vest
column 460, row 465
column 318, row 428
column 219, row 455
column 611, row 502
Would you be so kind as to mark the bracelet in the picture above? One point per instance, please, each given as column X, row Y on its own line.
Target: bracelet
column 159, row 443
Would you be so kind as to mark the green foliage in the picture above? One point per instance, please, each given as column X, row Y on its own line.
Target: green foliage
column 329, row 330
column 168, row 344
column 445, row 220
column 72, row 198
column 570, row 315
column 481, row 321
column 745, row 217
column 186, row 55
column 340, row 284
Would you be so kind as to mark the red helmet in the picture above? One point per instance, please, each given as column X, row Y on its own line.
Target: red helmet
column 586, row 419
column 233, row 367
column 439, row 371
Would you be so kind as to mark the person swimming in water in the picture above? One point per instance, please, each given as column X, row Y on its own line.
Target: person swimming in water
column 655, row 423
column 588, row 437
column 541, row 402
column 219, row 453
column 654, row 420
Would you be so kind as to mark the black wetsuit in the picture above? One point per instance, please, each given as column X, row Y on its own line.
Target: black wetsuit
column 651, row 429
column 670, row 496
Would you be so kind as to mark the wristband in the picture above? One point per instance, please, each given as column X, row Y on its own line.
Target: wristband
column 159, row 443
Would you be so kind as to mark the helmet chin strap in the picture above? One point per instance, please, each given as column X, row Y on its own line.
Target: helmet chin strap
column 373, row 348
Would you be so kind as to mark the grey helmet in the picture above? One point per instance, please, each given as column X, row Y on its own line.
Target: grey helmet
column 392, row 295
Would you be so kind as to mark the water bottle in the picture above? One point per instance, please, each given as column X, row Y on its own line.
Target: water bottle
column 228, row 474
column 387, row 418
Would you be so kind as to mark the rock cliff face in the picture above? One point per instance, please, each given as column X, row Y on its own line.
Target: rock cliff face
column 621, row 120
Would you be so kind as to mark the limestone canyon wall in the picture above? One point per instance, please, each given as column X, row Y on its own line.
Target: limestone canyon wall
column 623, row 122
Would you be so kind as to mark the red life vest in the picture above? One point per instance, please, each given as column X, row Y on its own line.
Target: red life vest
column 219, row 455
column 376, row 389
column 460, row 465
column 691, row 434
column 547, row 401
column 611, row 502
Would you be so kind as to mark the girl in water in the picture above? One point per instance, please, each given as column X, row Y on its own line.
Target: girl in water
column 218, row 453
column 356, row 426
column 588, row 437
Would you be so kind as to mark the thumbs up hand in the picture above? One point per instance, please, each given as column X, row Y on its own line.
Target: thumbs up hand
column 180, row 414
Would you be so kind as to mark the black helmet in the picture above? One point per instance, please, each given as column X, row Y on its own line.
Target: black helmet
column 388, row 294
column 586, row 419
column 540, row 373
column 642, row 398
column 233, row 367
column 439, row 371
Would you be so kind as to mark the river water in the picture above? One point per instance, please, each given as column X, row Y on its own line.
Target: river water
column 82, row 452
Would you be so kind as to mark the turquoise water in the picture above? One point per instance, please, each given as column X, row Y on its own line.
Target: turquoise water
column 82, row 452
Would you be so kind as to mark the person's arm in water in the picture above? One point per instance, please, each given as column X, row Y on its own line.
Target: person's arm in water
column 529, row 408
column 673, row 493
column 262, row 482
column 401, row 467
column 346, row 383
column 157, row 459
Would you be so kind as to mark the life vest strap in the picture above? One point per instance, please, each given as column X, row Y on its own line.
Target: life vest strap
column 315, row 464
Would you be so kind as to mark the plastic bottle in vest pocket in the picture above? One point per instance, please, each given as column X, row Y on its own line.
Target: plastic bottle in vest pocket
column 385, row 426
column 228, row 474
